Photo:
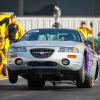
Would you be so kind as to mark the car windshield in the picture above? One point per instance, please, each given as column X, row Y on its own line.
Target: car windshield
column 54, row 35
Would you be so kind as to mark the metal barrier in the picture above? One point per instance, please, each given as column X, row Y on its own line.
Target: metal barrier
column 67, row 22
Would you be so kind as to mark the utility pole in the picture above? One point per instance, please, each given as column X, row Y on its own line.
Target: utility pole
column 58, row 3
column 20, row 7
column 92, row 7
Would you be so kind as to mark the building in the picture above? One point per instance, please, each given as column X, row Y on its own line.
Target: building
column 45, row 7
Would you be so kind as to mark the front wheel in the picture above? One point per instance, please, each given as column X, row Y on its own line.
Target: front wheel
column 80, row 75
column 89, row 83
column 13, row 77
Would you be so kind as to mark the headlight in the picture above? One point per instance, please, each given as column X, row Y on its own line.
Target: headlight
column 17, row 49
column 68, row 49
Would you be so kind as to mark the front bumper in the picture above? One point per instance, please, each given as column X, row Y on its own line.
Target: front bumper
column 75, row 63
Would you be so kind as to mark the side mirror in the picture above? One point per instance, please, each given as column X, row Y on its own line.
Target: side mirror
column 88, row 43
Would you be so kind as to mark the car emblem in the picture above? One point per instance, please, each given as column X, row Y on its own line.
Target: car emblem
column 41, row 53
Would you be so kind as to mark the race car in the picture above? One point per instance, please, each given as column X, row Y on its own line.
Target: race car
column 53, row 55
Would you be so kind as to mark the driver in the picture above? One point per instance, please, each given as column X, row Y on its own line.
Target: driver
column 69, row 37
column 85, row 30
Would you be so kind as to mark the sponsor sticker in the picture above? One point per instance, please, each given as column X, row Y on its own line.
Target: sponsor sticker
column 80, row 44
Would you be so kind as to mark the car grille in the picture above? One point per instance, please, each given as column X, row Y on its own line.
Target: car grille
column 41, row 52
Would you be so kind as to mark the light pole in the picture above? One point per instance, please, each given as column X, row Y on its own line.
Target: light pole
column 58, row 3
column 20, row 7
column 92, row 7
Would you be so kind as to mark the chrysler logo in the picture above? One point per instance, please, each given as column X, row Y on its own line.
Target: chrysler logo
column 41, row 53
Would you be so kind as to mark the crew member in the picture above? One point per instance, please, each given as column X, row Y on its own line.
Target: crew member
column 14, row 30
column 85, row 30
column 57, row 14
column 57, row 24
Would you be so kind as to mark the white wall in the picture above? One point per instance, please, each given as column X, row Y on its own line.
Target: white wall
column 67, row 22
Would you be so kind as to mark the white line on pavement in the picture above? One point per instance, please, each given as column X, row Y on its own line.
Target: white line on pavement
column 3, row 78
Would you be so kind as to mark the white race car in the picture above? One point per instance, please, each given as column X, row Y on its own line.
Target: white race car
column 53, row 55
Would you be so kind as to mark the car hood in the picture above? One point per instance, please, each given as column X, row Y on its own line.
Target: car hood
column 45, row 43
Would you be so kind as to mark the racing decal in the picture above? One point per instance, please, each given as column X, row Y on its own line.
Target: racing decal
column 90, row 62
column 86, row 60
column 80, row 44
column 41, row 44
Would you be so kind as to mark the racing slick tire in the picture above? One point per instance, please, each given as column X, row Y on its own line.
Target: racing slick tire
column 89, row 83
column 80, row 75
column 13, row 77
column 4, row 70
column 36, row 83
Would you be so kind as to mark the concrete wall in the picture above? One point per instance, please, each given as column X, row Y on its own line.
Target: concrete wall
column 8, row 6
column 76, row 7
column 68, row 7
column 96, row 7
column 35, row 5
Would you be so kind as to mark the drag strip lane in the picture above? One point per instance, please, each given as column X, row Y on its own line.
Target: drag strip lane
column 20, row 91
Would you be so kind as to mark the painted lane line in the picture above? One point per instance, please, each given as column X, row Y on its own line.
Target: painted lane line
column 7, row 78
column 3, row 78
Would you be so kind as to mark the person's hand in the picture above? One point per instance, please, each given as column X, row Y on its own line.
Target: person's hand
column 91, row 24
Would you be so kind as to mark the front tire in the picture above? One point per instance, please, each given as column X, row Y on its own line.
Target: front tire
column 89, row 83
column 13, row 77
column 80, row 75
column 36, row 83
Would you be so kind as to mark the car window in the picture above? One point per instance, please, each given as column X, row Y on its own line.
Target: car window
column 56, row 35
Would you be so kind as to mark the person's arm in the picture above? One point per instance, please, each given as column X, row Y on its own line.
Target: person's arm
column 90, row 31
column 6, row 33
column 20, row 30
column 2, row 37
column 78, row 28
column 2, row 42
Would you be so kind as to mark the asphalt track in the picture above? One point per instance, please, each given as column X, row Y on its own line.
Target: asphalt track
column 20, row 91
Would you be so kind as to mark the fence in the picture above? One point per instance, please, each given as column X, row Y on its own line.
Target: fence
column 67, row 22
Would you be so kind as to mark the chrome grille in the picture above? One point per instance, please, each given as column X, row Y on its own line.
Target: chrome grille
column 41, row 52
